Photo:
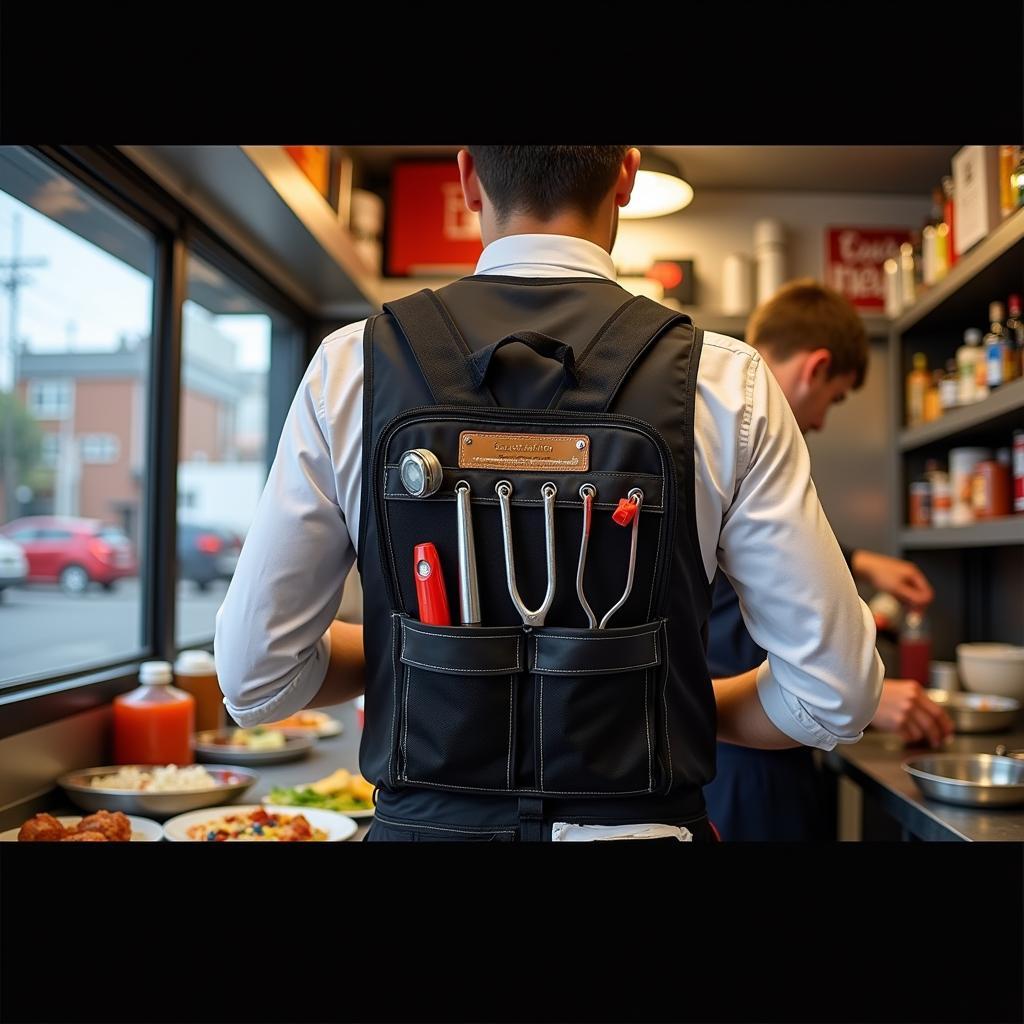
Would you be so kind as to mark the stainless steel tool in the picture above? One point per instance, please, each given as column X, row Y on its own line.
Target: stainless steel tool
column 504, row 491
column 587, row 493
column 469, row 592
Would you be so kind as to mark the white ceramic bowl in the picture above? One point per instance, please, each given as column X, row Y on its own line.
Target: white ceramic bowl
column 337, row 826
column 992, row 668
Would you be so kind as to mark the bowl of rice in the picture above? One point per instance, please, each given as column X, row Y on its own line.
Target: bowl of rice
column 155, row 791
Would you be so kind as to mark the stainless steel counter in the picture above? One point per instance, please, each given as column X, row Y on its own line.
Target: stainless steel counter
column 875, row 765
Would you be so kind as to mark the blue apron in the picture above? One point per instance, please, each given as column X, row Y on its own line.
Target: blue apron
column 757, row 794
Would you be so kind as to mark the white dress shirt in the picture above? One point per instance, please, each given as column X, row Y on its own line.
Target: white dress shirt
column 758, row 517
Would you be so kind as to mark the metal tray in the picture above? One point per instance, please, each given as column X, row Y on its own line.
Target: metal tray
column 232, row 782
column 971, row 780
column 294, row 748
column 977, row 712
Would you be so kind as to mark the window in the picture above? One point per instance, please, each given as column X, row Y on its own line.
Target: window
column 50, row 399
column 100, row 449
column 73, row 410
column 228, row 336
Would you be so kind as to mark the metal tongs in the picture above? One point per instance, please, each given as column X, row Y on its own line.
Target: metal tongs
column 588, row 492
column 504, row 491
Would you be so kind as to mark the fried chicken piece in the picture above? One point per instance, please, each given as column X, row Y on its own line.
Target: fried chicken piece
column 43, row 828
column 88, row 836
column 114, row 827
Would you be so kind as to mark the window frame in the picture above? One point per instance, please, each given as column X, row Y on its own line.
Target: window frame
column 37, row 700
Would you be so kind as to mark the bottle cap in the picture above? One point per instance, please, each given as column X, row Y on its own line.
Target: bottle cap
column 1014, row 303
column 155, row 672
column 920, row 361
column 996, row 311
column 769, row 232
column 972, row 336
column 195, row 663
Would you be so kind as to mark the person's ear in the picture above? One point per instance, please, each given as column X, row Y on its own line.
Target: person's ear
column 627, row 176
column 471, row 190
column 816, row 367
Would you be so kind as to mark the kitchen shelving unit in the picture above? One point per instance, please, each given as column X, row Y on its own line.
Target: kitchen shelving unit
column 977, row 570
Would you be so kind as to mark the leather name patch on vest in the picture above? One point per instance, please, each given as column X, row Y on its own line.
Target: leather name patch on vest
column 529, row 453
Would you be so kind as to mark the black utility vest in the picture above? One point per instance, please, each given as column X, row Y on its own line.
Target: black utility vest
column 598, row 390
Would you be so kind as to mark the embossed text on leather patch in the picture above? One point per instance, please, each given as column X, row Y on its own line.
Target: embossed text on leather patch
column 529, row 453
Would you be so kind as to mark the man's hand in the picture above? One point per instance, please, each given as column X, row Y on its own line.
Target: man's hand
column 906, row 709
column 893, row 575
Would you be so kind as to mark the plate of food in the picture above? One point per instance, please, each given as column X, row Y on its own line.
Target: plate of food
column 156, row 790
column 257, row 823
column 304, row 723
column 346, row 792
column 100, row 827
column 259, row 745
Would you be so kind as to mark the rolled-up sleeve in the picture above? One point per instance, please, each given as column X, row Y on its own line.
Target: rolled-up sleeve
column 272, row 639
column 822, row 679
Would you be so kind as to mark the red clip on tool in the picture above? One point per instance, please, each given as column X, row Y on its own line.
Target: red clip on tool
column 430, row 592
column 626, row 512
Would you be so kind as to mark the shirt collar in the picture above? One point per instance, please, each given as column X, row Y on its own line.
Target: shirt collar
column 553, row 252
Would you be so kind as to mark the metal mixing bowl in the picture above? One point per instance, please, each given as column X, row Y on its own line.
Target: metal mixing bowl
column 231, row 782
column 977, row 712
column 972, row 780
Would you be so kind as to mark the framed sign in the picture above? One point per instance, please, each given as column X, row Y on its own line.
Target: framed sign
column 430, row 229
column 855, row 260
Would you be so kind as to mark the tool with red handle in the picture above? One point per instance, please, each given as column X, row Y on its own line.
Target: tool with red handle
column 430, row 592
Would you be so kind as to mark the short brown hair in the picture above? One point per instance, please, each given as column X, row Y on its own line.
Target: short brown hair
column 545, row 180
column 805, row 315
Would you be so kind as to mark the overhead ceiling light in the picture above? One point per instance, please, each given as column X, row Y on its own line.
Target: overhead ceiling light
column 659, row 189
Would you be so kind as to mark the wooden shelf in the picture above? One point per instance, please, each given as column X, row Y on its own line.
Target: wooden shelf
column 1008, row 530
column 971, row 419
column 1003, row 238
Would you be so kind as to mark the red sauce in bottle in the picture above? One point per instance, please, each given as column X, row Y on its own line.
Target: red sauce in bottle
column 154, row 724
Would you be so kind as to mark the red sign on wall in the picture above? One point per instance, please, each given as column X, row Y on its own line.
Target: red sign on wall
column 855, row 263
column 431, row 231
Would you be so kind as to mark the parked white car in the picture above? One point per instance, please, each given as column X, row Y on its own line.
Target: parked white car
column 13, row 564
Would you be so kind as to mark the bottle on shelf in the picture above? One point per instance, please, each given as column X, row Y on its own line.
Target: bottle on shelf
column 932, row 404
column 1018, row 471
column 968, row 356
column 948, row 207
column 995, row 346
column 908, row 274
column 990, row 487
column 154, row 723
column 949, row 388
column 941, row 493
column 940, row 240
column 915, row 648
column 918, row 382
column 1015, row 336
column 1008, row 157
column 1017, row 180
column 920, row 511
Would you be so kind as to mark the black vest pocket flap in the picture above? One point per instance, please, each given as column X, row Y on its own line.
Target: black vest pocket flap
column 595, row 651
column 465, row 649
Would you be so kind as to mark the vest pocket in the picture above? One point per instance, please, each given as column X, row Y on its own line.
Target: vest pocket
column 596, row 708
column 458, row 698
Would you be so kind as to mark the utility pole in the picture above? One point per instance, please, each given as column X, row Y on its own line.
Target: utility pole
column 12, row 282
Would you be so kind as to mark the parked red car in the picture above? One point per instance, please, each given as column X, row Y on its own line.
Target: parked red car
column 73, row 552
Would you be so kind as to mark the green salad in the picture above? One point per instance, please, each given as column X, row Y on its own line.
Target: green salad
column 290, row 797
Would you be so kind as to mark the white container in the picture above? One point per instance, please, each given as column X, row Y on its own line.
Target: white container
column 992, row 668
column 770, row 246
column 962, row 463
column 976, row 192
column 737, row 285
